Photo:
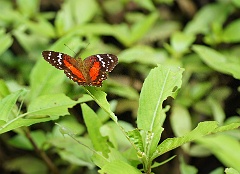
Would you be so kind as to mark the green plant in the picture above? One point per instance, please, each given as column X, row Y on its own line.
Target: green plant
column 161, row 83
column 151, row 39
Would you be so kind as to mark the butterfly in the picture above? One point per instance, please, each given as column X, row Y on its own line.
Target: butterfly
column 88, row 72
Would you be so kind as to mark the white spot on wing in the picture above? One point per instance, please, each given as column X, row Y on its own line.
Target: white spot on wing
column 99, row 57
column 59, row 58
column 49, row 55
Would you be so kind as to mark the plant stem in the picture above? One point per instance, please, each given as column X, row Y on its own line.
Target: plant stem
column 41, row 153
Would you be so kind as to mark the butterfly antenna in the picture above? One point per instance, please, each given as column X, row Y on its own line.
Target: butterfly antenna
column 70, row 48
column 79, row 52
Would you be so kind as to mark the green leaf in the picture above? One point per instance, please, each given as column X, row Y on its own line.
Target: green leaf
column 44, row 82
column 185, row 168
column 28, row 8
column 227, row 127
column 119, row 167
column 203, row 129
column 68, row 17
column 20, row 122
column 230, row 32
column 139, row 53
column 180, row 120
column 181, row 42
column 219, row 170
column 79, row 156
column 218, row 61
column 74, row 152
column 43, row 109
column 22, row 142
column 93, row 123
column 142, row 27
column 236, row 3
column 5, row 41
column 209, row 14
column 100, row 98
column 7, row 104
column 136, row 138
column 69, row 122
column 161, row 83
column 217, row 110
column 117, row 138
column 81, row 8
column 27, row 41
column 139, row 29
column 4, row 91
column 156, row 164
column 53, row 105
column 225, row 152
column 19, row 164
column 9, row 14
column 123, row 91
column 64, row 20
column 148, row 4
column 42, row 27
column 231, row 171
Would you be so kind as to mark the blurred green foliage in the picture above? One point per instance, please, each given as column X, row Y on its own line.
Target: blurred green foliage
column 155, row 41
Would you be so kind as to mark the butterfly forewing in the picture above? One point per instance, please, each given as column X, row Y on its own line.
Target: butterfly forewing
column 108, row 61
column 55, row 58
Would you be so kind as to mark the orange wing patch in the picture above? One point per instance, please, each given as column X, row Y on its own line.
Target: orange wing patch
column 73, row 69
column 94, row 71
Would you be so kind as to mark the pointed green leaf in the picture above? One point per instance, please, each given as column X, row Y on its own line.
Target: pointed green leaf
column 206, row 16
column 4, row 91
column 180, row 120
column 180, row 42
column 218, row 61
column 100, row 98
column 7, row 104
column 136, row 138
column 224, row 147
column 5, row 41
column 186, row 168
column 142, row 27
column 94, row 124
column 203, row 129
column 20, row 122
column 119, row 167
column 161, row 83
column 20, row 163
column 53, row 105
column 229, row 34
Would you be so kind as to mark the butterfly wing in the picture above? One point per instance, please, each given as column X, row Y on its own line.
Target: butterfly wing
column 55, row 58
column 98, row 66
column 68, row 64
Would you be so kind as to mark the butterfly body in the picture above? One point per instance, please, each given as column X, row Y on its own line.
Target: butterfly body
column 88, row 72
